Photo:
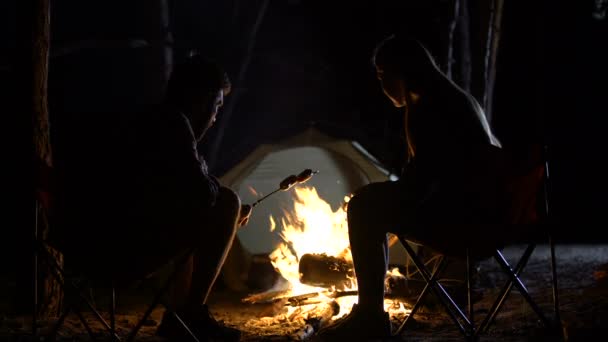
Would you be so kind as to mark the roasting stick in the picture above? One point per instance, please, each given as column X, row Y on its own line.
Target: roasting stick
column 289, row 182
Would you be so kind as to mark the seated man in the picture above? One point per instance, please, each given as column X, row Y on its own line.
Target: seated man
column 449, row 188
column 144, row 195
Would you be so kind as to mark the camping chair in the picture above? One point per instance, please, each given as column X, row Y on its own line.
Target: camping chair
column 76, row 295
column 523, row 210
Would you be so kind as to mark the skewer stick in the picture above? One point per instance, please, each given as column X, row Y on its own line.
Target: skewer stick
column 289, row 182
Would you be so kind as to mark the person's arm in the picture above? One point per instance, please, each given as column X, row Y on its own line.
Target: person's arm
column 246, row 209
column 192, row 171
column 189, row 171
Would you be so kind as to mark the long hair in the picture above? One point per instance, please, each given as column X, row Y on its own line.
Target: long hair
column 411, row 61
column 407, row 57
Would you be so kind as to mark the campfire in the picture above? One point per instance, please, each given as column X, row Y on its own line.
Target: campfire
column 315, row 259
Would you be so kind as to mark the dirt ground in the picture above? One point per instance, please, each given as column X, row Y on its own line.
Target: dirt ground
column 583, row 289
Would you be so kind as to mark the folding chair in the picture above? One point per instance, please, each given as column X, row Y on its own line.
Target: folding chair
column 465, row 322
column 76, row 296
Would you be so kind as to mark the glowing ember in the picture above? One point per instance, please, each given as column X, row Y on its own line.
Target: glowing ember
column 395, row 273
column 313, row 228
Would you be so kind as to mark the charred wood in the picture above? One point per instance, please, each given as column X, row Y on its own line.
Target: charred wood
column 320, row 318
column 326, row 271
column 265, row 297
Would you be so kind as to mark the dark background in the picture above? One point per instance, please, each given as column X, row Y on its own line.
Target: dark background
column 310, row 62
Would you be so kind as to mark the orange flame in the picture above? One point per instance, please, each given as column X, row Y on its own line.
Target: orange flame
column 312, row 227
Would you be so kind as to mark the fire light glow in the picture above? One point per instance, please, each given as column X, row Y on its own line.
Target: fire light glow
column 312, row 227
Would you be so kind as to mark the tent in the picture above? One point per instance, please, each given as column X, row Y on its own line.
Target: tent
column 343, row 166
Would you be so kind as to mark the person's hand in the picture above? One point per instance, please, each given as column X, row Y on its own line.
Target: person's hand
column 244, row 215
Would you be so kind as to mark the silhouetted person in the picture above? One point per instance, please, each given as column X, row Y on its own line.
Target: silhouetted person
column 447, row 189
column 146, row 196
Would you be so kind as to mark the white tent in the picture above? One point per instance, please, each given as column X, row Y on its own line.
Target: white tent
column 343, row 167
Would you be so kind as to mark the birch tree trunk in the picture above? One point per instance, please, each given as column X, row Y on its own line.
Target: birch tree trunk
column 478, row 20
column 494, row 28
column 464, row 34
column 451, row 40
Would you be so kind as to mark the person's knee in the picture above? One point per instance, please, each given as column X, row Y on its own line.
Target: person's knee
column 360, row 206
column 228, row 207
column 356, row 205
column 363, row 200
column 373, row 210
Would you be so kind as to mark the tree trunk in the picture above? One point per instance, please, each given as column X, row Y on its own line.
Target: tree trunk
column 49, row 293
column 451, row 40
column 478, row 20
column 32, row 70
column 464, row 33
column 494, row 27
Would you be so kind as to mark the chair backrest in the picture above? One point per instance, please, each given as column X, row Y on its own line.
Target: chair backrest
column 522, row 173
column 524, row 183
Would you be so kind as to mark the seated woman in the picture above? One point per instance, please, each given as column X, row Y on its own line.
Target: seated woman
column 447, row 191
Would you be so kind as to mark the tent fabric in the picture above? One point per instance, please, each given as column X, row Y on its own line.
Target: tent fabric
column 342, row 169
column 311, row 137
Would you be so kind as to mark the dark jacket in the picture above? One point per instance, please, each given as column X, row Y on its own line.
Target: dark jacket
column 144, row 177
column 454, row 167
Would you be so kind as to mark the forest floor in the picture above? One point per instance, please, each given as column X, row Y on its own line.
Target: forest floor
column 583, row 290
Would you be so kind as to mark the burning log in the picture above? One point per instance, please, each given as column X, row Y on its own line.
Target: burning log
column 321, row 270
column 314, row 297
column 265, row 297
column 318, row 319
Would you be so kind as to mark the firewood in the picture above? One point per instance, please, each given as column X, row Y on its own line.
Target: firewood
column 317, row 320
column 265, row 297
column 325, row 271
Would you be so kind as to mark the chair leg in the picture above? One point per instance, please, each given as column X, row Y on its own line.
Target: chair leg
column 159, row 295
column 113, row 314
column 95, row 312
column 557, row 315
column 469, row 274
column 181, row 322
column 53, row 333
column 421, row 298
column 58, row 274
column 85, row 323
column 506, row 290
column 452, row 308
column 35, row 273
column 522, row 289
